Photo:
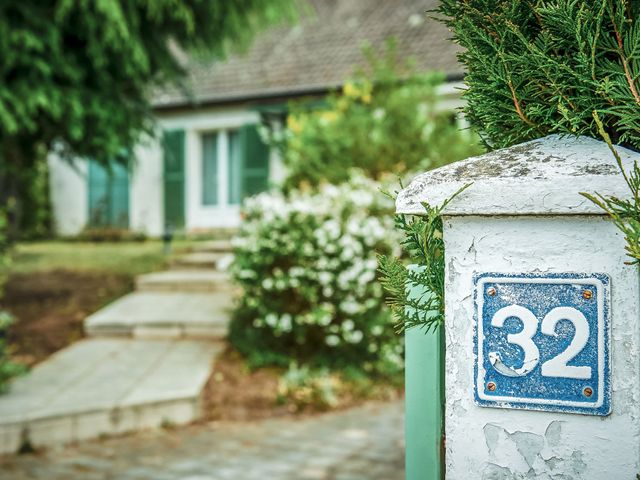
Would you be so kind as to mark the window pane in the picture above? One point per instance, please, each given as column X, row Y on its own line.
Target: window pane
column 210, row 169
column 235, row 167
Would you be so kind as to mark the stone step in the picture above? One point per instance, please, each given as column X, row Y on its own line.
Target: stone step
column 199, row 280
column 106, row 386
column 217, row 260
column 220, row 245
column 165, row 315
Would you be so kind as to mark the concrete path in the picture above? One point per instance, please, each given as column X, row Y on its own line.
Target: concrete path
column 138, row 371
column 105, row 386
column 184, row 302
column 364, row 443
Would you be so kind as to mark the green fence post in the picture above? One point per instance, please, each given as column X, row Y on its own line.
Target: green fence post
column 424, row 399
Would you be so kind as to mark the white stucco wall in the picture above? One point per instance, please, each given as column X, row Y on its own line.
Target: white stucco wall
column 69, row 195
column 492, row 444
column 146, row 189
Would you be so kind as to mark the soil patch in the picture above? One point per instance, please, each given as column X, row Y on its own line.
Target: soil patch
column 236, row 393
column 49, row 308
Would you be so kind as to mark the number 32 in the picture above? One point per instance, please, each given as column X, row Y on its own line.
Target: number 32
column 556, row 366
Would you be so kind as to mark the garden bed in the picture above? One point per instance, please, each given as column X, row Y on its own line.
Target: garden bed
column 235, row 392
column 49, row 308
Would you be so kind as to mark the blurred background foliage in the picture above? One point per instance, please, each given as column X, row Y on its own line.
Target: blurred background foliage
column 307, row 264
column 385, row 120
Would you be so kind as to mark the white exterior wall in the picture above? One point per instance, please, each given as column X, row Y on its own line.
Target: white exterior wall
column 146, row 189
column 68, row 185
column 497, row 443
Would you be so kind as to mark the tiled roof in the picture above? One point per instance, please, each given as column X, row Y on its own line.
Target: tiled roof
column 320, row 52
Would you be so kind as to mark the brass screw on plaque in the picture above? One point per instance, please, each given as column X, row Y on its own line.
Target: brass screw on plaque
column 588, row 391
column 491, row 291
column 491, row 387
column 587, row 294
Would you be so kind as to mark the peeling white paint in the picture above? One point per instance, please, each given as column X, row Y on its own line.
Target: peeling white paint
column 533, row 178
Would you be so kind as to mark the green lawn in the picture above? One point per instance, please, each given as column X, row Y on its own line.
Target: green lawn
column 129, row 258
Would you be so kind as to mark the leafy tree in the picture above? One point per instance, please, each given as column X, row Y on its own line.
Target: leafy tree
column 78, row 76
column 384, row 120
column 537, row 67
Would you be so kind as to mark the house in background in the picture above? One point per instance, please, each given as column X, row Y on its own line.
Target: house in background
column 208, row 154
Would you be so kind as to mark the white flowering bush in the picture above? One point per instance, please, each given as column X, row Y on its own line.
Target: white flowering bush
column 307, row 264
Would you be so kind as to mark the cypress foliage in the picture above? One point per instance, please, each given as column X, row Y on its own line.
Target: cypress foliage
column 538, row 67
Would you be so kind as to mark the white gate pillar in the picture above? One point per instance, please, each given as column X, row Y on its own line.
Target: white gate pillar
column 542, row 360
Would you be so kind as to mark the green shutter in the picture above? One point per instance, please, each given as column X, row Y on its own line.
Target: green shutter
column 173, row 144
column 255, row 162
column 210, row 169
column 108, row 195
column 236, row 166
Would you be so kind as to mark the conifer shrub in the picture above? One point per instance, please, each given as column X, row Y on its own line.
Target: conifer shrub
column 541, row 67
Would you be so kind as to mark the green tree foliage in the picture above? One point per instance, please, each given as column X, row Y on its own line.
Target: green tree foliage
column 78, row 76
column 539, row 67
column 624, row 213
column 383, row 120
column 415, row 294
column 8, row 368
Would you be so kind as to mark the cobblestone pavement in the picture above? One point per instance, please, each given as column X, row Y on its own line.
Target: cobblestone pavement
column 363, row 443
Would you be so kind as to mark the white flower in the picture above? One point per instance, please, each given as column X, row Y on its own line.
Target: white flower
column 348, row 325
column 325, row 278
column 332, row 340
column 356, row 336
column 285, row 322
column 271, row 320
column 350, row 307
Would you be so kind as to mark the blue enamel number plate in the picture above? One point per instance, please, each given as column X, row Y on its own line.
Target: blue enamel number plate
column 542, row 342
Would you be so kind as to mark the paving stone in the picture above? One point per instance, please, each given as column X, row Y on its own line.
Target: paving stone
column 235, row 451
column 107, row 386
column 164, row 314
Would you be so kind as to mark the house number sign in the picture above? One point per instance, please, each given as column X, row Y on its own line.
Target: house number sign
column 542, row 342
